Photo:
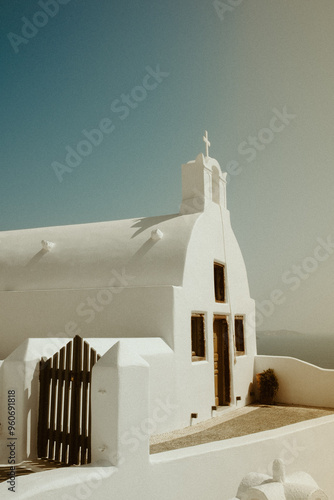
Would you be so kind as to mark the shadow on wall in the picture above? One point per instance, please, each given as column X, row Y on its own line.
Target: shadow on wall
column 147, row 222
column 146, row 247
column 36, row 258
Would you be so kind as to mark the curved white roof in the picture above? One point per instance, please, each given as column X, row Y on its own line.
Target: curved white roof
column 105, row 254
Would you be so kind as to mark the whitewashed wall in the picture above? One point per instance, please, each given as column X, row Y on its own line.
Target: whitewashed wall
column 299, row 382
column 212, row 471
column 126, row 312
column 124, row 470
column 212, row 240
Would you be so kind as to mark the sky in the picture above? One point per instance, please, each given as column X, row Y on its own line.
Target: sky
column 143, row 81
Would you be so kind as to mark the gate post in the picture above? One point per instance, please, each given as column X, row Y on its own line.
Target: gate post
column 120, row 408
column 19, row 380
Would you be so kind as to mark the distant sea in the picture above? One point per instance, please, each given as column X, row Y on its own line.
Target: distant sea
column 317, row 349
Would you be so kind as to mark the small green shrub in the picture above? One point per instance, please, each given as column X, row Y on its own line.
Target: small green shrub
column 268, row 385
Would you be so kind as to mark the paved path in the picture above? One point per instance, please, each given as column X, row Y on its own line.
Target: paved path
column 235, row 423
column 226, row 424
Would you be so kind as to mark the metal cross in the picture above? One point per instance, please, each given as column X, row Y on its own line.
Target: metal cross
column 207, row 143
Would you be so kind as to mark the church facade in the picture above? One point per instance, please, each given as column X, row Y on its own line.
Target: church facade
column 173, row 287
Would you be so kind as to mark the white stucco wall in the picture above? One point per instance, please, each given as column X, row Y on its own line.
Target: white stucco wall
column 212, row 240
column 126, row 471
column 212, row 471
column 299, row 382
column 113, row 312
column 119, row 377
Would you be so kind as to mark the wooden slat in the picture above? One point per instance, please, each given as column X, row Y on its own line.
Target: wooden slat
column 43, row 408
column 52, row 427
column 75, row 401
column 84, row 422
column 93, row 358
column 60, row 376
column 41, row 411
column 67, row 378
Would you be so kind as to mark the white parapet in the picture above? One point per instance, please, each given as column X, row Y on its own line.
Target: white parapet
column 120, row 401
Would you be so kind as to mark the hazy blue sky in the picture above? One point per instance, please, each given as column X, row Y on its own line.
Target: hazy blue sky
column 228, row 67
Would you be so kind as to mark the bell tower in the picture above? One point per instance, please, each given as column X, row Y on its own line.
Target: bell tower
column 203, row 183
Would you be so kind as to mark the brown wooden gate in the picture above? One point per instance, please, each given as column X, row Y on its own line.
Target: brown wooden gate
column 64, row 424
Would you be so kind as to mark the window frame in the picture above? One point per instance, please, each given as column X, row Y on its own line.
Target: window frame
column 219, row 265
column 194, row 357
column 239, row 317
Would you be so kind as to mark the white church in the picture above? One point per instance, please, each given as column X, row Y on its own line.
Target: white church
column 164, row 328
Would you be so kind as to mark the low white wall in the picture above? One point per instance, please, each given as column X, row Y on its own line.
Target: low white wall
column 121, row 421
column 212, row 471
column 299, row 382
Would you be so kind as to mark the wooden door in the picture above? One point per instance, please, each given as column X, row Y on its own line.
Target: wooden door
column 221, row 361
